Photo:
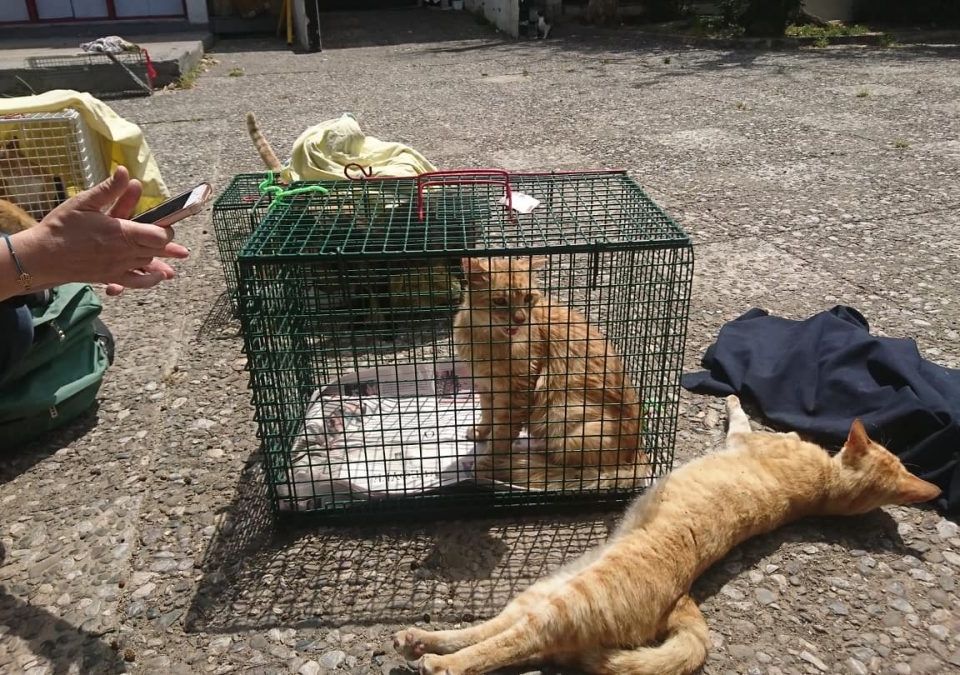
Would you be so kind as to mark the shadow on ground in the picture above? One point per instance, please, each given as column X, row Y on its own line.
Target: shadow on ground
column 260, row 573
column 68, row 648
column 19, row 460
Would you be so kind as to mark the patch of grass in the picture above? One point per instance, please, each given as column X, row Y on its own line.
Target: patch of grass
column 236, row 72
column 715, row 26
column 525, row 73
column 740, row 105
column 832, row 29
column 901, row 144
column 863, row 93
column 887, row 40
column 821, row 42
column 606, row 62
column 666, row 60
column 189, row 79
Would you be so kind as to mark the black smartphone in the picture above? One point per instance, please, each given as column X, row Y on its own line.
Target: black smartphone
column 177, row 208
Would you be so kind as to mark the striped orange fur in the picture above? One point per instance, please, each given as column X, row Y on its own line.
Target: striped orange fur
column 624, row 608
column 541, row 366
column 260, row 142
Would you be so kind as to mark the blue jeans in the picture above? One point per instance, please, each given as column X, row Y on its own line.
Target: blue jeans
column 16, row 333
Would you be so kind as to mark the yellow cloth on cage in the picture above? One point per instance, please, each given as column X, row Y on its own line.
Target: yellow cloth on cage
column 323, row 152
column 120, row 141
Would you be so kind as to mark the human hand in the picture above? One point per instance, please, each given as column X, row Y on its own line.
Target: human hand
column 78, row 241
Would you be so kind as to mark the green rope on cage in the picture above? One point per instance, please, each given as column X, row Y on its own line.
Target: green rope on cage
column 268, row 187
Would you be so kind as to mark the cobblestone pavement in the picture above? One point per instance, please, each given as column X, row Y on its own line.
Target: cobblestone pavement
column 139, row 539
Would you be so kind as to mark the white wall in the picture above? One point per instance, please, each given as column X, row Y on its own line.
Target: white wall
column 197, row 12
column 504, row 14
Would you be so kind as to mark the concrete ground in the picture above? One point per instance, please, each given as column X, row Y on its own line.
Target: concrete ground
column 140, row 539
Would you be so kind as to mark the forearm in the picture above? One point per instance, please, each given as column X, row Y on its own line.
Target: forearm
column 17, row 276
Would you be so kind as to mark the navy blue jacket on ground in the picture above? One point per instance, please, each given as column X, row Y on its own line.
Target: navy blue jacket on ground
column 815, row 376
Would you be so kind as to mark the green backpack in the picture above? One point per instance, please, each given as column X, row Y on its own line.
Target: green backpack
column 60, row 375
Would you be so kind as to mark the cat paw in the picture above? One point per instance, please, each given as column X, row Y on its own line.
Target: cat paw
column 436, row 665
column 732, row 402
column 408, row 643
column 478, row 433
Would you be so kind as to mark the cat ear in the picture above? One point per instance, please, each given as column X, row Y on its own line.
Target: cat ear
column 913, row 490
column 857, row 442
column 476, row 271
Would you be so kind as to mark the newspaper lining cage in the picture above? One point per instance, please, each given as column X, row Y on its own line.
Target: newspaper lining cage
column 348, row 295
column 46, row 157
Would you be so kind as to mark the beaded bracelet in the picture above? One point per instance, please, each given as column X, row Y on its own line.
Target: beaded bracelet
column 25, row 279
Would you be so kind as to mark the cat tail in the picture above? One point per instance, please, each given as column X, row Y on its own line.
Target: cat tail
column 261, row 143
column 681, row 653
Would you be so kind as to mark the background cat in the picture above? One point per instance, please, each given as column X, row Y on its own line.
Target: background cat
column 25, row 182
column 599, row 612
column 540, row 365
column 13, row 219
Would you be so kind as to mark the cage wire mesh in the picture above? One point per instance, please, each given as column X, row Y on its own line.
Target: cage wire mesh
column 46, row 157
column 376, row 392
column 105, row 76
column 236, row 211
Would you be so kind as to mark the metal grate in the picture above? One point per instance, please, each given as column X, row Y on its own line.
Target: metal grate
column 105, row 76
column 364, row 394
column 46, row 157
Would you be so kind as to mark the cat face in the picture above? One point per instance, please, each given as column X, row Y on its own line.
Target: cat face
column 503, row 293
column 874, row 476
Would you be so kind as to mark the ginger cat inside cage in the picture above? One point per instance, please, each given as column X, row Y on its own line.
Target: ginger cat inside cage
column 625, row 607
column 25, row 183
column 540, row 366
column 13, row 219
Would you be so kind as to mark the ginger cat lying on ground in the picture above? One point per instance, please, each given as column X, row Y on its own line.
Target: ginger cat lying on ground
column 606, row 612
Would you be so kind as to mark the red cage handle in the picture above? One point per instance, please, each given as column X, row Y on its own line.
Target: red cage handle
column 459, row 177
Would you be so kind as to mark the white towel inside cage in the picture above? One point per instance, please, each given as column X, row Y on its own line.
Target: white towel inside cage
column 387, row 431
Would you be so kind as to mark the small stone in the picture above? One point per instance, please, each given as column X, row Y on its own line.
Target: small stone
column 765, row 596
column 732, row 593
column 856, row 667
column 901, row 605
column 925, row 664
column 741, row 652
column 947, row 529
column 839, row 608
column 309, row 668
column 938, row 631
column 219, row 645
column 331, row 660
column 144, row 591
column 951, row 557
column 813, row 660
column 955, row 658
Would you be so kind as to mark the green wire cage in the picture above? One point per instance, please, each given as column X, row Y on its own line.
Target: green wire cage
column 236, row 212
column 377, row 393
